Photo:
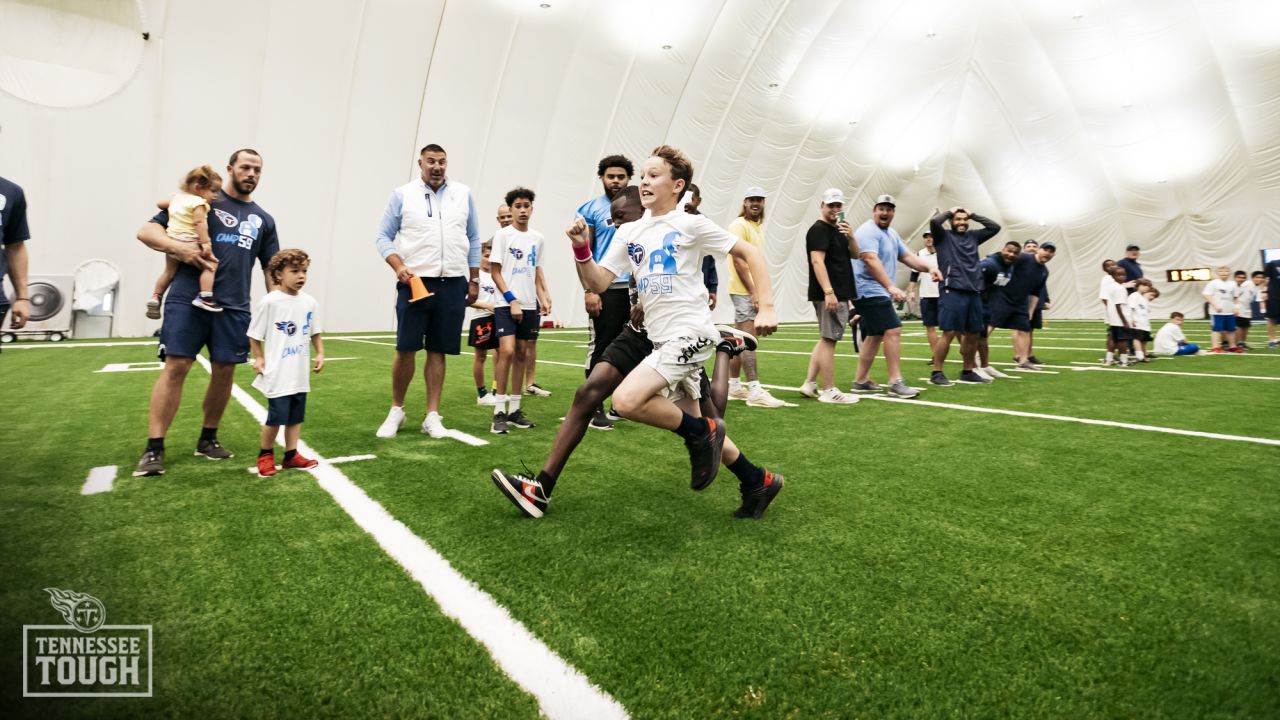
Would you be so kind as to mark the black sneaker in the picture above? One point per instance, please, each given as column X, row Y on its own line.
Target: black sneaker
column 601, row 421
column 613, row 415
column 1033, row 360
column 213, row 450
column 499, row 426
column 704, row 454
column 938, row 378
column 151, row 464
column 522, row 490
column 756, row 501
column 520, row 420
column 734, row 341
column 969, row 377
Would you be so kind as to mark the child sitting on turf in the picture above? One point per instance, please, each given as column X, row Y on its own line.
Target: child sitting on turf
column 1221, row 295
column 481, row 336
column 189, row 222
column 284, row 322
column 1171, row 341
column 1140, row 318
column 521, row 299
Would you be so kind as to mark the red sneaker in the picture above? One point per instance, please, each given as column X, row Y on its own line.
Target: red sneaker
column 1236, row 349
column 299, row 462
column 266, row 465
column 1217, row 350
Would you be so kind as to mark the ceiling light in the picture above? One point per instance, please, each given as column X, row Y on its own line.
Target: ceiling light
column 666, row 47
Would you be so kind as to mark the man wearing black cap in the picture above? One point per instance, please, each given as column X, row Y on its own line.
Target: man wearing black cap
column 1130, row 264
column 1037, row 315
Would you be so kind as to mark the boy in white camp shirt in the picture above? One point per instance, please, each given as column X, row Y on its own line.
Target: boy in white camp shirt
column 1140, row 318
column 284, row 331
column 1221, row 295
column 1116, row 301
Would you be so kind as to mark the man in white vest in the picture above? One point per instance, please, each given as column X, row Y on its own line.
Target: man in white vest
column 429, row 231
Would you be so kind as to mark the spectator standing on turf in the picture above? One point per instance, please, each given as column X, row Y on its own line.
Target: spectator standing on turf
column 1222, row 295
column 1037, row 316
column 242, row 233
column 831, row 246
column 504, row 215
column 1117, row 318
column 880, row 249
column 742, row 292
column 14, row 234
column 1247, row 295
column 1129, row 262
column 429, row 230
column 1014, row 303
column 1171, row 341
column 959, row 304
column 1272, row 307
column 283, row 334
column 924, row 287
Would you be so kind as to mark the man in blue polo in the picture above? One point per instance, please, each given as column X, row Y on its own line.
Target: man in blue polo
column 429, row 230
column 242, row 234
column 960, row 301
column 875, row 270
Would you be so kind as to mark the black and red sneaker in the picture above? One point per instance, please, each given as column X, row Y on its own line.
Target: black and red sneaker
column 704, row 454
column 266, row 465
column 522, row 490
column 756, row 500
column 734, row 341
column 299, row 462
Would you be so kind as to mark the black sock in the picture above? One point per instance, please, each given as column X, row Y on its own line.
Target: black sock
column 480, row 391
column 155, row 444
column 264, row 452
column 691, row 427
column 748, row 474
column 548, row 483
column 209, row 433
column 288, row 455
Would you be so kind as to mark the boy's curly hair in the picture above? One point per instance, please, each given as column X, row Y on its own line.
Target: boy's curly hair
column 292, row 257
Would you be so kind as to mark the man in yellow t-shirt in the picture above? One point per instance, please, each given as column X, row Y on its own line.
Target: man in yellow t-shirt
column 741, row 287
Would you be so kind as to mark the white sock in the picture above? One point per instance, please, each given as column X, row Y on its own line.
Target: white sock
column 1140, row 355
column 734, row 384
column 1110, row 356
column 513, row 403
column 1124, row 357
column 499, row 404
column 753, row 386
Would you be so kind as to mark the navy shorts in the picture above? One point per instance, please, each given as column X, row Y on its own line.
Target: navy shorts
column 187, row 329
column 481, row 336
column 878, row 316
column 929, row 311
column 1243, row 323
column 960, row 311
column 1224, row 323
column 286, row 410
column 433, row 323
column 628, row 350
column 526, row 329
column 1009, row 317
column 1120, row 333
column 1037, row 317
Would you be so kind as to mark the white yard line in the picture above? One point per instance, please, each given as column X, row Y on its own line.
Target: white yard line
column 100, row 480
column 1174, row 372
column 561, row 691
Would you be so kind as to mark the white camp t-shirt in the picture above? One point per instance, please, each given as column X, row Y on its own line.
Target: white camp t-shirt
column 1116, row 296
column 1222, row 294
column 664, row 255
column 487, row 293
column 1247, row 293
column 1104, row 289
column 520, row 253
column 284, row 324
column 928, row 286
column 1139, row 312
column 1169, row 339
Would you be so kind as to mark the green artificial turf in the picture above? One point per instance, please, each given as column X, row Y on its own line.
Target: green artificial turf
column 921, row 561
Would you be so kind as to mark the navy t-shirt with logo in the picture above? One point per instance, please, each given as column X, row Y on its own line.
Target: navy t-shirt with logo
column 13, row 225
column 241, row 233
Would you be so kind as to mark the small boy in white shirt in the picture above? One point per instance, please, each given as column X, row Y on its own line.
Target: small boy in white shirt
column 1171, row 341
column 1116, row 301
column 1247, row 294
column 278, row 337
column 482, row 336
column 1221, row 295
column 1140, row 318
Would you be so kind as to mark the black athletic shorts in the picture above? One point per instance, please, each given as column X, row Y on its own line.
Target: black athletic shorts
column 1009, row 317
column 482, row 335
column 878, row 315
column 628, row 350
column 1119, row 333
column 929, row 312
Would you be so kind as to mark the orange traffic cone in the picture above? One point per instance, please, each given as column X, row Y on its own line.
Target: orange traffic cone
column 417, row 289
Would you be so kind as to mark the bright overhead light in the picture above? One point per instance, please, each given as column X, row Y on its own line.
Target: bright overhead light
column 666, row 47
column 1162, row 180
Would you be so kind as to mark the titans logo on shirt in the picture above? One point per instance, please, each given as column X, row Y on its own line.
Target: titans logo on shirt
column 288, row 327
column 226, row 218
column 636, row 251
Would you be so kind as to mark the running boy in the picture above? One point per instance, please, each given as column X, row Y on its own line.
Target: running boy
column 516, row 267
column 283, row 322
column 189, row 222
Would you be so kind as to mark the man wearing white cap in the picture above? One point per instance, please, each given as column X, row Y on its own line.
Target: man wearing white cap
column 742, row 293
column 880, row 248
column 831, row 247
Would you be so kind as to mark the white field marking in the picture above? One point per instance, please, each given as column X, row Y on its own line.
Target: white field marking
column 130, row 367
column 1090, row 366
column 1085, row 421
column 1034, row 372
column 360, row 340
column 561, row 691
column 100, row 480
column 329, row 359
column 38, row 346
column 331, row 461
column 462, row 437
column 579, row 366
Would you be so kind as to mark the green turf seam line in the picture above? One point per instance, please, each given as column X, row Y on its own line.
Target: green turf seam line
column 561, row 691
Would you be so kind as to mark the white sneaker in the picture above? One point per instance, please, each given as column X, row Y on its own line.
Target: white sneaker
column 394, row 420
column 538, row 390
column 486, row 399
column 981, row 372
column 762, row 398
column 741, row 393
column 834, row 396
column 993, row 373
column 434, row 427
column 810, row 390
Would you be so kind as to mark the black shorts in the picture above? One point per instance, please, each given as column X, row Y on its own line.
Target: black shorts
column 615, row 311
column 1120, row 333
column 1243, row 322
column 960, row 311
column 1037, row 318
column 1272, row 310
column 929, row 312
column 286, row 409
column 1009, row 317
column 878, row 315
column 1140, row 335
column 527, row 329
column 628, row 350
column 187, row 329
column 481, row 335
column 433, row 323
